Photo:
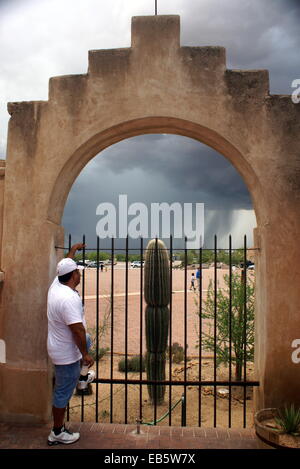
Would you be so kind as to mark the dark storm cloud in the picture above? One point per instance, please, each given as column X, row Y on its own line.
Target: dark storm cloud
column 161, row 168
column 292, row 4
column 47, row 38
column 257, row 34
column 185, row 165
column 43, row 38
column 8, row 3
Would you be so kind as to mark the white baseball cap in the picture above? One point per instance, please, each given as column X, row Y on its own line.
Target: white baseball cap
column 67, row 265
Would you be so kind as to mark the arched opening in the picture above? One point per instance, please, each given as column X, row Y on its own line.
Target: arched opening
column 157, row 168
column 96, row 171
column 153, row 125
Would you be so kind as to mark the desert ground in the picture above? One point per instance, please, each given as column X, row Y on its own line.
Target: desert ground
column 200, row 404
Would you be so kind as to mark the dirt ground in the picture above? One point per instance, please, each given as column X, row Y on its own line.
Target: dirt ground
column 136, row 306
column 193, row 396
column 114, row 338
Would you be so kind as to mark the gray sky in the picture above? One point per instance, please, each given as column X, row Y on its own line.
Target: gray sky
column 44, row 38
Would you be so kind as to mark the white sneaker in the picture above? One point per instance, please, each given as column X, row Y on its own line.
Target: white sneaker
column 65, row 437
column 83, row 384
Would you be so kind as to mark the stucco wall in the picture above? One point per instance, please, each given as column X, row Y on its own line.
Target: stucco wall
column 2, row 176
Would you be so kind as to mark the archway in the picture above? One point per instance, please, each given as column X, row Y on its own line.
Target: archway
column 99, row 142
column 156, row 168
column 148, row 170
column 154, row 86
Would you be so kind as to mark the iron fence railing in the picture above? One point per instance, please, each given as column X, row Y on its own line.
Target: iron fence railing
column 170, row 383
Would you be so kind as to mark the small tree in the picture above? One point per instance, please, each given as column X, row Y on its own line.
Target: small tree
column 241, row 328
column 189, row 259
column 92, row 256
column 207, row 256
column 102, row 330
column 121, row 257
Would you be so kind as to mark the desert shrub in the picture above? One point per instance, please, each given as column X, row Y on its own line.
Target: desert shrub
column 133, row 364
column 177, row 353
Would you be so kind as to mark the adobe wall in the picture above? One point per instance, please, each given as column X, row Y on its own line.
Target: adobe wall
column 2, row 176
column 155, row 86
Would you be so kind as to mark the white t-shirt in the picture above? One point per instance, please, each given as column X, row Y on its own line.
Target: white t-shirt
column 64, row 308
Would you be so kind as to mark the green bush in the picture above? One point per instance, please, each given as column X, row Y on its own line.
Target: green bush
column 133, row 364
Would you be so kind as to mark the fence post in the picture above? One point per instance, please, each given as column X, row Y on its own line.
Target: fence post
column 183, row 411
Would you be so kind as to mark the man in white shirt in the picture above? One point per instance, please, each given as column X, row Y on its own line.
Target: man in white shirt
column 66, row 343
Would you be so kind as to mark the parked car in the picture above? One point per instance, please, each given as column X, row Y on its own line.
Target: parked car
column 135, row 264
column 94, row 264
column 249, row 265
column 85, row 263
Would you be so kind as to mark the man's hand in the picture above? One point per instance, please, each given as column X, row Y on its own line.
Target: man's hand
column 74, row 248
column 87, row 360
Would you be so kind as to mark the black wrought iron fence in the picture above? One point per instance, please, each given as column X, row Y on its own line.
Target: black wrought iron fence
column 200, row 382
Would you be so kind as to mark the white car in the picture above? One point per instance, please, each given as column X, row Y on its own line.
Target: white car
column 136, row 264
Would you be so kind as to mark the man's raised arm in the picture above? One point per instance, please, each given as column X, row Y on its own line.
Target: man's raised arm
column 74, row 248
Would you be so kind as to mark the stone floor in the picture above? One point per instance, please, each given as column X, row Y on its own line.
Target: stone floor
column 117, row 436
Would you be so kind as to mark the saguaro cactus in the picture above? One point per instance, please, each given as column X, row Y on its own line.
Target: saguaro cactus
column 157, row 297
